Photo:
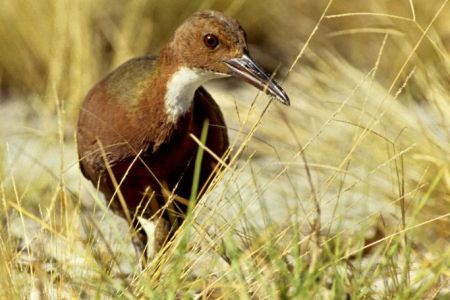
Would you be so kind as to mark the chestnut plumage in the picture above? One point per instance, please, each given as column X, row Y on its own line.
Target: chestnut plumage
column 134, row 126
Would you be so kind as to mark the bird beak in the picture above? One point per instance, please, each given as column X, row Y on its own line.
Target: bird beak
column 245, row 68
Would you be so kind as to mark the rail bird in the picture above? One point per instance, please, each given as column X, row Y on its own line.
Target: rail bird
column 135, row 126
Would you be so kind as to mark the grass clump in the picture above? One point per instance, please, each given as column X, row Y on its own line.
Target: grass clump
column 344, row 195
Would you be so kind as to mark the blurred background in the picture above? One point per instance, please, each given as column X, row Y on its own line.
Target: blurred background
column 65, row 46
column 367, row 135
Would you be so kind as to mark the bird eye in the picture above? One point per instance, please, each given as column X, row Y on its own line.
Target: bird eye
column 211, row 41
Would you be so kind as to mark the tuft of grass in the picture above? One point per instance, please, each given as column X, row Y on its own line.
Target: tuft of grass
column 344, row 194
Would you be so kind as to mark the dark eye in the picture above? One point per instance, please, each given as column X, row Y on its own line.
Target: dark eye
column 211, row 41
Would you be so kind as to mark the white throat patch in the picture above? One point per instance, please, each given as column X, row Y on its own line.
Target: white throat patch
column 181, row 88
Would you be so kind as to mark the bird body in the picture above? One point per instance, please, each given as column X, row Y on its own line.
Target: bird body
column 135, row 125
column 133, row 121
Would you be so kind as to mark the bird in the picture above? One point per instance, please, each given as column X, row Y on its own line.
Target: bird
column 136, row 126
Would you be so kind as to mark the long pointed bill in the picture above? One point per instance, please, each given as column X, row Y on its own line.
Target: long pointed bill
column 245, row 68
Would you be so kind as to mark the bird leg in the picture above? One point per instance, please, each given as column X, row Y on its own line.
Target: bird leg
column 157, row 230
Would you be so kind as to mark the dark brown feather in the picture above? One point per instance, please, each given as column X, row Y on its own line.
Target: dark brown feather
column 122, row 116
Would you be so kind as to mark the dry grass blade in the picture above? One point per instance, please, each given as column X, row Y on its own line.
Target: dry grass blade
column 346, row 194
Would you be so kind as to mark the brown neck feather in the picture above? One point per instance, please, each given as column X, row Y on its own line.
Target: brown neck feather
column 159, row 129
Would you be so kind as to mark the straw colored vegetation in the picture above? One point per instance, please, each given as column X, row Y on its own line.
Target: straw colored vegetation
column 344, row 194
